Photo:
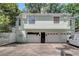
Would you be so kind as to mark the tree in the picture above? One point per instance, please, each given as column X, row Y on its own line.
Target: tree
column 48, row 7
column 8, row 13
column 4, row 20
column 33, row 7
column 11, row 10
column 74, row 9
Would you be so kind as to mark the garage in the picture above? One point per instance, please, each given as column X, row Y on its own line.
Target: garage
column 46, row 37
column 63, row 37
column 36, row 37
column 33, row 37
column 55, row 37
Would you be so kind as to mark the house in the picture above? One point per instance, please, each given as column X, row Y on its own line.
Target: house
column 44, row 27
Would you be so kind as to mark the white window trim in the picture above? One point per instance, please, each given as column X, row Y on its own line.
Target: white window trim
column 28, row 20
column 59, row 19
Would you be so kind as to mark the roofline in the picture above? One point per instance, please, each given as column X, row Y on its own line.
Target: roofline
column 37, row 14
column 47, row 13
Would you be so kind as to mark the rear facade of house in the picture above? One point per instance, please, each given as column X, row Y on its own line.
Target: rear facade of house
column 44, row 28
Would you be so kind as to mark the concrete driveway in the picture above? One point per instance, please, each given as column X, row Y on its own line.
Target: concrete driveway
column 38, row 49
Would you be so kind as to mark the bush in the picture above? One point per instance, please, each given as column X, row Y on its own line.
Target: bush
column 5, row 28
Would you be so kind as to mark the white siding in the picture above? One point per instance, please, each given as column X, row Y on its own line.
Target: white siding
column 46, row 22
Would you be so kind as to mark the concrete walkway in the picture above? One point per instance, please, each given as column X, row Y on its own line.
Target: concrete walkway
column 38, row 49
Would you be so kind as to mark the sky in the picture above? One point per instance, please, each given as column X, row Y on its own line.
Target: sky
column 21, row 6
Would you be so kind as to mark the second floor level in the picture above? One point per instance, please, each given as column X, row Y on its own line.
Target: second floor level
column 46, row 21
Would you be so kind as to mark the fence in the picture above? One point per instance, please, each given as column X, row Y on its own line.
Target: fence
column 6, row 38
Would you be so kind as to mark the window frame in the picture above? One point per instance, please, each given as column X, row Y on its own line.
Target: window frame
column 70, row 22
column 19, row 22
column 31, row 21
column 56, row 21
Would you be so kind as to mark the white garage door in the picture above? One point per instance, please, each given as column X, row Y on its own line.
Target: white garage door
column 63, row 37
column 55, row 37
column 33, row 37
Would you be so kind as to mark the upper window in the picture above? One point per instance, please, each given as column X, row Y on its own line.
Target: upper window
column 70, row 22
column 56, row 19
column 31, row 19
column 19, row 22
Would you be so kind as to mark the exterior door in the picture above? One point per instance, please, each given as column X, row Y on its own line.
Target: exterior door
column 63, row 37
column 33, row 37
column 52, row 37
column 55, row 37
column 42, row 37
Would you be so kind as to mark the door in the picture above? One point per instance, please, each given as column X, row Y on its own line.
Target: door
column 33, row 37
column 42, row 37
column 63, row 37
column 55, row 37
column 52, row 37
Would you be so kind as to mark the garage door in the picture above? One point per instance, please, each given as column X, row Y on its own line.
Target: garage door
column 55, row 37
column 33, row 37
column 63, row 37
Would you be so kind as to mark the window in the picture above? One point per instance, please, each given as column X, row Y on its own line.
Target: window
column 19, row 22
column 56, row 19
column 31, row 19
column 70, row 22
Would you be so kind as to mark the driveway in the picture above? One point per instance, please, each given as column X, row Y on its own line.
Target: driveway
column 38, row 49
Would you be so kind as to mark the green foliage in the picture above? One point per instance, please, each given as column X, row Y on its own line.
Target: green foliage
column 48, row 7
column 11, row 10
column 74, row 9
column 33, row 7
column 4, row 20
column 8, row 13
